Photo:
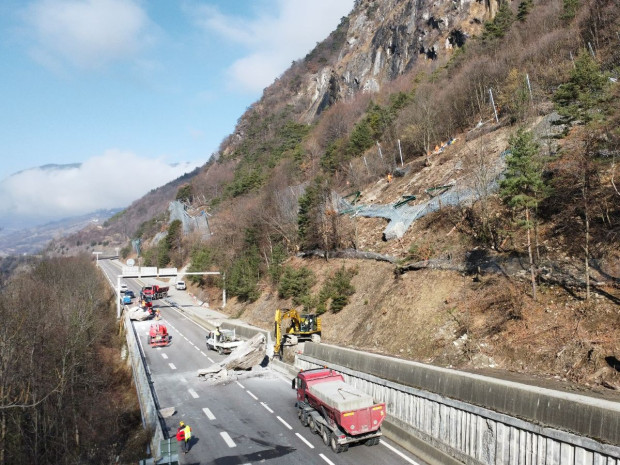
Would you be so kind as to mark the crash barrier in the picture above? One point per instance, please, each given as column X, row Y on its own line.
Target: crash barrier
column 477, row 419
column 146, row 396
column 246, row 332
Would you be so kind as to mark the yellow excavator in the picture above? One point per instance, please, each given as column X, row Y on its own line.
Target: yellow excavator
column 301, row 327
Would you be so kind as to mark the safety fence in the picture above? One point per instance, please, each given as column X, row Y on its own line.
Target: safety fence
column 144, row 388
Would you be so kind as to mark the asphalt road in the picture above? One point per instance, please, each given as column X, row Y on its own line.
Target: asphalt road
column 248, row 420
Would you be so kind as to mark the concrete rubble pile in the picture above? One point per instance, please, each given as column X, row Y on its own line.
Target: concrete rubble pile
column 249, row 354
column 138, row 314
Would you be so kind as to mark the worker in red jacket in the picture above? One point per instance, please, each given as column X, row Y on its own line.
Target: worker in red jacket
column 181, row 436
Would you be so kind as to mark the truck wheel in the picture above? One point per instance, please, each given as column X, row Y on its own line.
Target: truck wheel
column 333, row 443
column 312, row 425
column 372, row 442
column 220, row 351
column 325, row 435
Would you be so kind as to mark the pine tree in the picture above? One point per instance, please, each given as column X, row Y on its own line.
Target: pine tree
column 499, row 26
column 524, row 9
column 524, row 186
column 578, row 99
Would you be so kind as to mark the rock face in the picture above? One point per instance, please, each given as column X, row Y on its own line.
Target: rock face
column 386, row 37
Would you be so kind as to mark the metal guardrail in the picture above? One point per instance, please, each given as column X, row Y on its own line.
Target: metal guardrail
column 146, row 394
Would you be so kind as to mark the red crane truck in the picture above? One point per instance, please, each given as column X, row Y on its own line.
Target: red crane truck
column 340, row 413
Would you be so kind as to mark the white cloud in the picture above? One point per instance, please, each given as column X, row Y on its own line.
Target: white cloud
column 273, row 41
column 112, row 180
column 86, row 33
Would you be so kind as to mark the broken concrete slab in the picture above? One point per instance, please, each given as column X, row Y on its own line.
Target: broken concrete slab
column 249, row 354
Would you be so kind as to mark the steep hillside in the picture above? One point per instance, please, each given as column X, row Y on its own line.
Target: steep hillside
column 426, row 104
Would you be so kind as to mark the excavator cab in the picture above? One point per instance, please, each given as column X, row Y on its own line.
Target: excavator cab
column 300, row 327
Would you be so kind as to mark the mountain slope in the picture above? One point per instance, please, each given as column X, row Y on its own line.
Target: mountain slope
column 371, row 110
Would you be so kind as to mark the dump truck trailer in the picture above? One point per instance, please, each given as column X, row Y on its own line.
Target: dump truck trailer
column 339, row 412
column 154, row 292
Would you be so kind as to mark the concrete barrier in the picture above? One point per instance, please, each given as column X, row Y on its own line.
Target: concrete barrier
column 478, row 419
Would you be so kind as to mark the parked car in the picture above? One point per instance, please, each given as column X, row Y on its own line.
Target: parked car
column 181, row 285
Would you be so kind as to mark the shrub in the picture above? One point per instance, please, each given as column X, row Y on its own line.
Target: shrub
column 296, row 284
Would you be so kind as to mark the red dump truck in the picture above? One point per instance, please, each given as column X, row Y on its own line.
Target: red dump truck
column 340, row 413
column 153, row 292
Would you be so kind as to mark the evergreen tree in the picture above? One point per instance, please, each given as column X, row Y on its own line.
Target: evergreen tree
column 524, row 9
column 578, row 99
column 524, row 186
column 499, row 26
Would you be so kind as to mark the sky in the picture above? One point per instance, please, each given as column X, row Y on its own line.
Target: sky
column 131, row 94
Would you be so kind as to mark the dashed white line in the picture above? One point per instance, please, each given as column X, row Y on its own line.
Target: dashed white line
column 172, row 367
column 251, row 395
column 267, row 408
column 197, row 348
column 397, row 452
column 183, row 380
column 165, row 356
column 203, row 353
column 240, row 385
column 304, row 440
column 284, row 423
column 226, row 437
column 326, row 459
column 193, row 393
column 208, row 413
column 210, row 359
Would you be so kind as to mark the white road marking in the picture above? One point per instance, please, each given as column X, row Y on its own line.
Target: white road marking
column 185, row 338
column 165, row 356
column 208, row 413
column 397, row 452
column 304, row 440
column 197, row 348
column 203, row 353
column 193, row 393
column 172, row 367
column 267, row 408
column 226, row 437
column 326, row 459
column 183, row 380
column 251, row 395
column 210, row 359
column 285, row 423
column 239, row 384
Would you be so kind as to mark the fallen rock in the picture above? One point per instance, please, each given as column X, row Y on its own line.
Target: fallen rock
column 247, row 355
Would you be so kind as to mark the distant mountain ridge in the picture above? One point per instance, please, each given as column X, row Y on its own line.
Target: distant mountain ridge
column 35, row 239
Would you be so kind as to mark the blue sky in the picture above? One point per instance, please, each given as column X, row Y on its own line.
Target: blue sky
column 129, row 87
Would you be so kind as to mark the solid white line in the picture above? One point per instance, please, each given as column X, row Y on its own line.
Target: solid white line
column 304, row 440
column 267, row 408
column 326, row 459
column 193, row 393
column 285, row 423
column 208, row 413
column 239, row 384
column 165, row 356
column 251, row 395
column 172, row 366
column 397, row 452
column 228, row 439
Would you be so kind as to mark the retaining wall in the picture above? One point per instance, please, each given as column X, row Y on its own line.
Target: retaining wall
column 477, row 419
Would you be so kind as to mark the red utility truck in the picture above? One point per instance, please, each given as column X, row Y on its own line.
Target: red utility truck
column 337, row 411
column 154, row 292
